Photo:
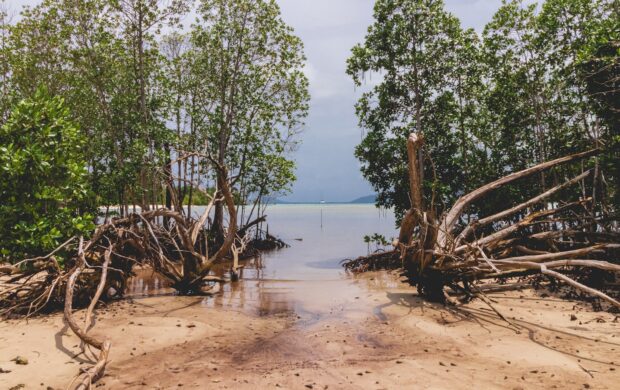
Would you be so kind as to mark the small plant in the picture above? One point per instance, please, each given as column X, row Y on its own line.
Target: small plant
column 378, row 240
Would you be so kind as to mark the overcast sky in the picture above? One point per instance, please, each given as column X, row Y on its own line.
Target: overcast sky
column 329, row 28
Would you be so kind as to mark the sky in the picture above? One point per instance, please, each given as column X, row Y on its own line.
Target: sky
column 326, row 166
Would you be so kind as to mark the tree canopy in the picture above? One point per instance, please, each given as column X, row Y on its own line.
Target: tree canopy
column 524, row 91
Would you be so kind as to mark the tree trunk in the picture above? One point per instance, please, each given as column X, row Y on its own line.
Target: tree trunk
column 169, row 181
column 218, row 221
column 410, row 221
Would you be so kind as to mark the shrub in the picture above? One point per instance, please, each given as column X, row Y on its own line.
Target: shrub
column 44, row 196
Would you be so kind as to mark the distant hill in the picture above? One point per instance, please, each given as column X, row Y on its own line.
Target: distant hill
column 366, row 199
column 272, row 200
column 280, row 201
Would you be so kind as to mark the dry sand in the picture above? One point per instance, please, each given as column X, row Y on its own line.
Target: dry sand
column 365, row 333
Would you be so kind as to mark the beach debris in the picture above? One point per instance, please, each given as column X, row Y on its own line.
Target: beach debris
column 20, row 360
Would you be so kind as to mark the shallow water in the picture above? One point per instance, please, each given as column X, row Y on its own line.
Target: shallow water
column 305, row 277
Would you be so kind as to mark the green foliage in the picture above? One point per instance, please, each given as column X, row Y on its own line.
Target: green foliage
column 599, row 65
column 102, row 57
column 5, row 76
column 198, row 197
column 532, row 61
column 378, row 240
column 231, row 89
column 252, row 110
column 159, row 113
column 249, row 93
column 44, row 194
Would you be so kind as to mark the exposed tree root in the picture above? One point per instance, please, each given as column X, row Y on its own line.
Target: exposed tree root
column 538, row 236
column 376, row 261
column 90, row 375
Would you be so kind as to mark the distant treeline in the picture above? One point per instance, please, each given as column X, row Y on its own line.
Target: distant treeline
column 541, row 81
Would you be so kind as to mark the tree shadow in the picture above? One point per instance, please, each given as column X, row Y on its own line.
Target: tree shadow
column 61, row 347
column 196, row 301
column 487, row 318
column 534, row 330
column 413, row 301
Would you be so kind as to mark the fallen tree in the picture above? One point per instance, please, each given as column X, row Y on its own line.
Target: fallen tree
column 443, row 256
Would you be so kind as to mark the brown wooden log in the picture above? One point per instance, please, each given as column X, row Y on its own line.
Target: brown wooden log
column 451, row 218
column 508, row 212
column 544, row 269
column 511, row 229
column 94, row 373
column 102, row 282
column 231, row 232
column 600, row 264
column 249, row 225
column 557, row 255
column 8, row 270
column 232, row 216
column 198, row 225
column 529, row 251
column 590, row 236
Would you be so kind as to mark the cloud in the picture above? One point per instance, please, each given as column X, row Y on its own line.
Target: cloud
column 322, row 84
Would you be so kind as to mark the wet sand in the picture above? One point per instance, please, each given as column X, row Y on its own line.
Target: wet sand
column 366, row 332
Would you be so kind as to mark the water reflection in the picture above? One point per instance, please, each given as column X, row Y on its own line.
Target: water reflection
column 147, row 283
column 303, row 276
column 260, row 297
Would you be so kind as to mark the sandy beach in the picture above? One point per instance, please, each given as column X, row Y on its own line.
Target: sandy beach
column 365, row 332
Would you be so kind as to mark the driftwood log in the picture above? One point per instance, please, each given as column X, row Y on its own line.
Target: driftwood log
column 444, row 256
